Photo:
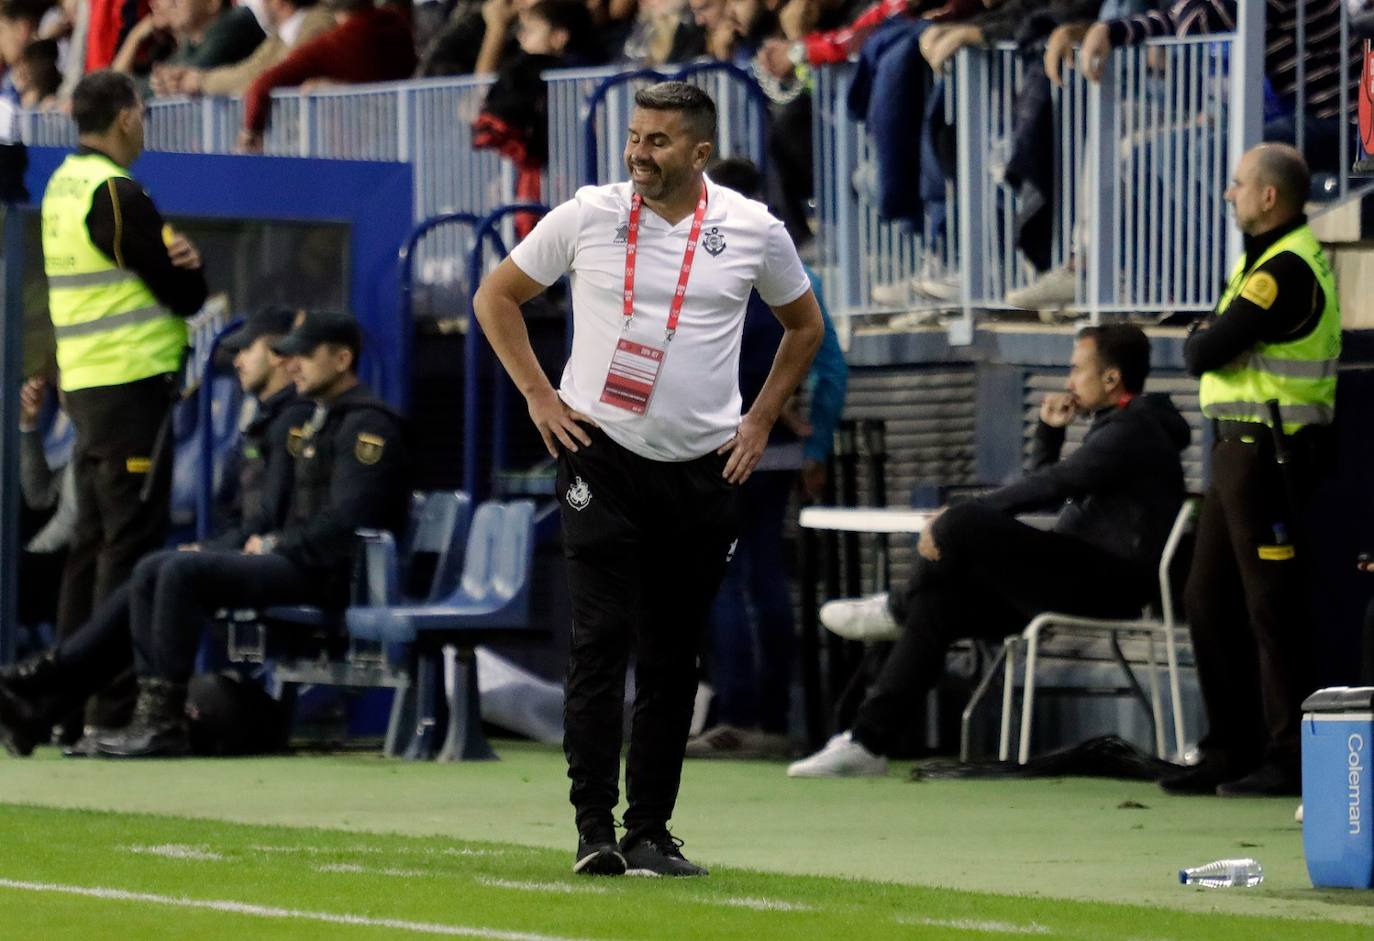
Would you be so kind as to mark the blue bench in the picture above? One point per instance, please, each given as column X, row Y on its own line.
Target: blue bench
column 309, row 645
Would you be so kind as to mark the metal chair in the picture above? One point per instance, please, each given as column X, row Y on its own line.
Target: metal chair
column 1150, row 628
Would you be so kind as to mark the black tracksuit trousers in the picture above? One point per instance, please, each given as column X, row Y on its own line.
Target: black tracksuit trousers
column 994, row 576
column 646, row 544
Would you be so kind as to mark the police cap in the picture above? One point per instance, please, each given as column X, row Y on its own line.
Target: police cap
column 270, row 321
column 313, row 327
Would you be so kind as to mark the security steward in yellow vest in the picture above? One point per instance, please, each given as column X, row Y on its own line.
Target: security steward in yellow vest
column 1273, row 343
column 119, row 284
column 350, row 473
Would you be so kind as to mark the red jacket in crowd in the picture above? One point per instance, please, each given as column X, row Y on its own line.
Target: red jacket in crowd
column 371, row 45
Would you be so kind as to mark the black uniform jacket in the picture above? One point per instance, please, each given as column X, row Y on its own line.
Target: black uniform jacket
column 266, row 469
column 351, row 472
column 1120, row 491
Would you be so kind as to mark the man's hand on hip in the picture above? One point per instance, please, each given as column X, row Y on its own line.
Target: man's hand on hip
column 745, row 448
column 554, row 420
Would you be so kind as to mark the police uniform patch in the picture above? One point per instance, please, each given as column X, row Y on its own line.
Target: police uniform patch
column 295, row 441
column 368, row 448
column 1261, row 290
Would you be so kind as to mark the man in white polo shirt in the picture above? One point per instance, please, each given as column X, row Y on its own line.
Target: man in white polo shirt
column 650, row 443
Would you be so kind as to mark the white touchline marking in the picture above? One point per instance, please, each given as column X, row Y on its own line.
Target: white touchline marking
column 759, row 905
column 377, row 850
column 269, row 911
column 175, row 851
column 971, row 924
column 541, row 886
column 358, row 868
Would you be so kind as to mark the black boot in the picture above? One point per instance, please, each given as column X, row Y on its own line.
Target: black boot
column 26, row 693
column 158, row 728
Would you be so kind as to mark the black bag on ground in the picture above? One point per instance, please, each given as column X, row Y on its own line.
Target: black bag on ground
column 1107, row 756
column 229, row 716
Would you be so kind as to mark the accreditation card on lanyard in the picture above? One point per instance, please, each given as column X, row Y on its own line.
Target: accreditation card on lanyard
column 635, row 364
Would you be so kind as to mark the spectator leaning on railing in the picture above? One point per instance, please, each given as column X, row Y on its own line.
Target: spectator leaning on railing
column 1322, row 92
column 369, row 44
column 210, row 33
column 293, row 23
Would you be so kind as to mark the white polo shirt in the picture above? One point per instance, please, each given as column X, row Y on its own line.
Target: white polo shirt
column 696, row 404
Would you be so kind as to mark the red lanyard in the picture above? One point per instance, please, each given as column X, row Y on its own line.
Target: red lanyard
column 631, row 254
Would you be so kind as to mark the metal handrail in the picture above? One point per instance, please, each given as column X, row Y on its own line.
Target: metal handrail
column 407, row 311
column 486, row 229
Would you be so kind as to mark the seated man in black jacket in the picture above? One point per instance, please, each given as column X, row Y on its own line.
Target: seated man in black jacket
column 984, row 574
column 350, row 473
column 39, row 692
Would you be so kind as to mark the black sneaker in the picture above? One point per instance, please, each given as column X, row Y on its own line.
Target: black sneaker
column 1268, row 780
column 22, row 725
column 1203, row 777
column 656, row 852
column 598, row 854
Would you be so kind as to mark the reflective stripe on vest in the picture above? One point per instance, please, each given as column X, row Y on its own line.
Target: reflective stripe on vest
column 1299, row 374
column 109, row 326
column 111, row 322
column 90, row 279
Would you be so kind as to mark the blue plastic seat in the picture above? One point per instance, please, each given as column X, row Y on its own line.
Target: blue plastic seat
column 493, row 595
column 490, row 602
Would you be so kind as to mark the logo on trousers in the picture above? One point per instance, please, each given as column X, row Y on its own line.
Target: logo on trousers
column 579, row 494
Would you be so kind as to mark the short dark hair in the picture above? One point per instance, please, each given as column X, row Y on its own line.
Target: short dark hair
column 740, row 174
column 41, row 58
column 572, row 17
column 696, row 106
column 99, row 97
column 1283, row 167
column 31, row 10
column 1124, row 347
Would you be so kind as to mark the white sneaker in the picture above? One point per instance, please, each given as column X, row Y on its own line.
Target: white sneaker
column 866, row 619
column 1297, row 814
column 942, row 288
column 1051, row 291
column 842, row 757
column 892, row 293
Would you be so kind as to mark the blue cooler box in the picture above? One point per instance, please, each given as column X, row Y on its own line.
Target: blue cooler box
column 1338, row 787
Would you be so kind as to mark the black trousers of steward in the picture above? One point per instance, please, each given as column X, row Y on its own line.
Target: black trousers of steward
column 646, row 544
column 1248, row 600
column 116, row 429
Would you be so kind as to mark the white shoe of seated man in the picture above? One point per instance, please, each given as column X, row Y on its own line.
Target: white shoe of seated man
column 842, row 757
column 867, row 619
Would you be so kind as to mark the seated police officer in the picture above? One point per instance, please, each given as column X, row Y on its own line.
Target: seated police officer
column 984, row 574
column 40, row 691
column 349, row 474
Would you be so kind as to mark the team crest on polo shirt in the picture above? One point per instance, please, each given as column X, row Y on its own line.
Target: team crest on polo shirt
column 713, row 241
column 622, row 234
column 579, row 494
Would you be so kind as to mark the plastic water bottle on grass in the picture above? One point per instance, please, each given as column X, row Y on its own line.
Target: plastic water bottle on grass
column 1224, row 874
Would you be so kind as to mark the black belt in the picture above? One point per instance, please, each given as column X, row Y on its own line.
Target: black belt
column 1229, row 430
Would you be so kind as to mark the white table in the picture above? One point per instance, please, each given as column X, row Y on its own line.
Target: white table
column 885, row 519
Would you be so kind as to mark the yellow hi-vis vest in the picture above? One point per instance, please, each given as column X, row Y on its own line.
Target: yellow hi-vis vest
column 1301, row 373
column 110, row 328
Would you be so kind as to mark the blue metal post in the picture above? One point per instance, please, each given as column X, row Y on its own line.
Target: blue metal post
column 1247, row 97
column 1103, row 141
column 11, row 365
column 205, row 427
column 971, row 91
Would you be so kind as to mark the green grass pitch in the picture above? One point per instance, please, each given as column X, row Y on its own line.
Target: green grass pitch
column 352, row 846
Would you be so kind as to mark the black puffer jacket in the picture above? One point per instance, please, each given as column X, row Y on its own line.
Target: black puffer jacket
column 1120, row 491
